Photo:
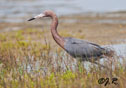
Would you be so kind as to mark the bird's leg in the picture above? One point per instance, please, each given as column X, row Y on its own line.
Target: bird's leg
column 101, row 65
column 111, row 60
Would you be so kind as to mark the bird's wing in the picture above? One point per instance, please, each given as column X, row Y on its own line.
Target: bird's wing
column 70, row 40
column 81, row 48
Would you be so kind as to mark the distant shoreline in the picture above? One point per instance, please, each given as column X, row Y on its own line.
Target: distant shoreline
column 114, row 14
column 102, row 28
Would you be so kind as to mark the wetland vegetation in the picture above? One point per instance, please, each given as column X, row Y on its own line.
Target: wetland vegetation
column 30, row 58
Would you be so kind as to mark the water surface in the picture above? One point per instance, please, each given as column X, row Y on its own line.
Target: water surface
column 17, row 10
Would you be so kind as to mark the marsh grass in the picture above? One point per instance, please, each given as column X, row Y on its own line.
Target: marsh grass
column 28, row 61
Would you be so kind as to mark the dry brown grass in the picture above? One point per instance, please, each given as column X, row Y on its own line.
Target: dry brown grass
column 30, row 58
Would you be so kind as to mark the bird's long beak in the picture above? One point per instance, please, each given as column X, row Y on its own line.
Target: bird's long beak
column 31, row 19
column 38, row 16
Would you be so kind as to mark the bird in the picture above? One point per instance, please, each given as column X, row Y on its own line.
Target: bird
column 77, row 48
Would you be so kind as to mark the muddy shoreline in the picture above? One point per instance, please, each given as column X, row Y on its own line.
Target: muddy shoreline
column 103, row 29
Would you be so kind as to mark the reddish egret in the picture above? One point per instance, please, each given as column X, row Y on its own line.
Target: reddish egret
column 82, row 49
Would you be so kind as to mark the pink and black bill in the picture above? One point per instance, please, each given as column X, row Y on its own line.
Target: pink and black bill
column 31, row 19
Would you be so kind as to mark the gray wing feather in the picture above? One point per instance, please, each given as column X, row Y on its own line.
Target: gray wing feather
column 80, row 48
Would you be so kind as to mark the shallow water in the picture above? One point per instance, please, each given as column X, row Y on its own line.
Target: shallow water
column 120, row 51
column 120, row 55
column 18, row 10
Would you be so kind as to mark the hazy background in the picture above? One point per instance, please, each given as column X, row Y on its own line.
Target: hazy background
column 19, row 9
column 30, row 58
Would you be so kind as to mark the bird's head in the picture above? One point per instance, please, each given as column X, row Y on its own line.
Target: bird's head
column 47, row 13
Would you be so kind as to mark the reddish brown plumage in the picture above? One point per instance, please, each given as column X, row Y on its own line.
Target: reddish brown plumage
column 59, row 39
column 75, row 47
column 48, row 13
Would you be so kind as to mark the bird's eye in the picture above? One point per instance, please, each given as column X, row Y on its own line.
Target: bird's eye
column 73, row 42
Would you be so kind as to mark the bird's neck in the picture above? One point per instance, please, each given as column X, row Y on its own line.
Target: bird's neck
column 59, row 40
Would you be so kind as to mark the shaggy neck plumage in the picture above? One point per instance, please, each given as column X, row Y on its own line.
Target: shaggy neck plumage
column 59, row 40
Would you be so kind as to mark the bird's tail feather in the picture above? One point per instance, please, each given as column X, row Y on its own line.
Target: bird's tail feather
column 109, row 52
